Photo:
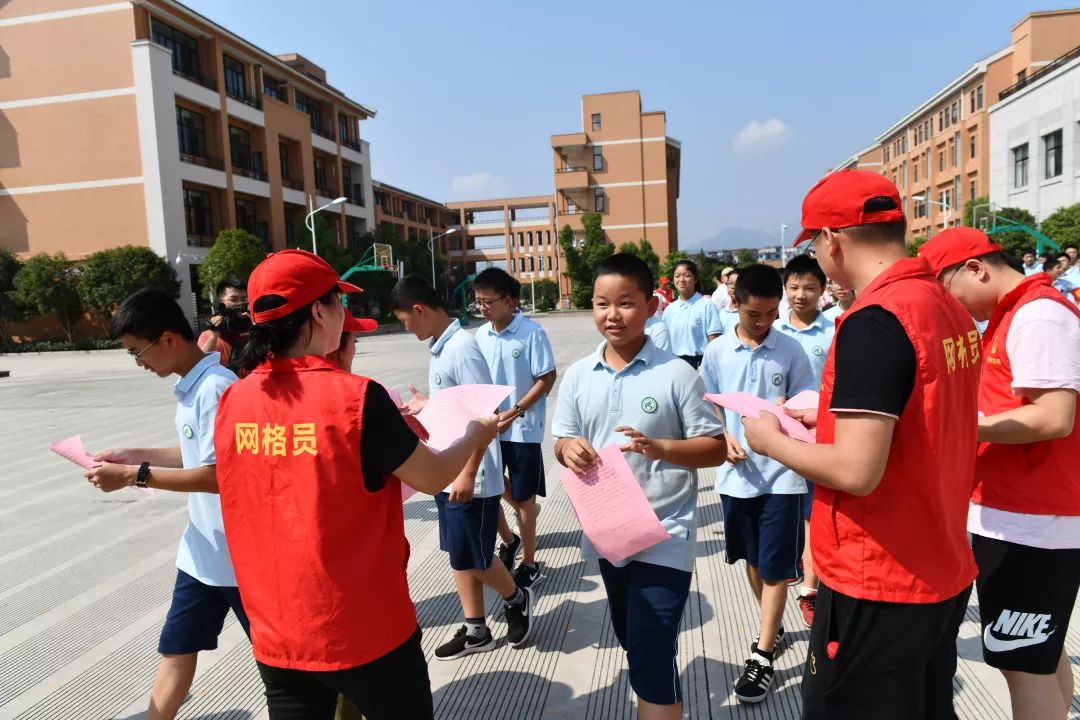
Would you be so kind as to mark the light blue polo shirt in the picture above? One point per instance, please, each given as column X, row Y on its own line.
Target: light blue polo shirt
column 815, row 340
column 729, row 318
column 660, row 396
column 833, row 313
column 690, row 323
column 456, row 360
column 658, row 333
column 776, row 369
column 203, row 553
column 517, row 356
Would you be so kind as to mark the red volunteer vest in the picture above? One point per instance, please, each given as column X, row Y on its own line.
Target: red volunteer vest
column 319, row 560
column 906, row 542
column 1041, row 478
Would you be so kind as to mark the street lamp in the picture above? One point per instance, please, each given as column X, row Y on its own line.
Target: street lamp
column 924, row 198
column 309, row 221
column 431, row 250
column 783, row 250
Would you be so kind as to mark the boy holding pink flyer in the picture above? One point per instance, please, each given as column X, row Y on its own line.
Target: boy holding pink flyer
column 762, row 499
column 651, row 405
column 469, row 512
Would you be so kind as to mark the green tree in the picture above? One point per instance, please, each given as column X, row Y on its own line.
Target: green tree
column 1015, row 242
column 11, row 309
column 109, row 276
column 581, row 263
column 644, row 250
column 48, row 284
column 745, row 257
column 914, row 244
column 707, row 269
column 969, row 209
column 1063, row 226
column 234, row 255
column 547, row 294
column 329, row 248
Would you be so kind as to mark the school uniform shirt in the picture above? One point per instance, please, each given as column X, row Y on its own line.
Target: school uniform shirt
column 203, row 553
column 517, row 356
column 833, row 313
column 658, row 333
column 456, row 360
column 777, row 368
column 1032, row 269
column 814, row 339
column 728, row 320
column 660, row 396
column 690, row 323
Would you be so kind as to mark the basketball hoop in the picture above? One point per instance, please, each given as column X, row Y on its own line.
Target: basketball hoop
column 384, row 257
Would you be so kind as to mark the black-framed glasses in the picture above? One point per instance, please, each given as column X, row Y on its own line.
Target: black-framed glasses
column 137, row 355
column 488, row 302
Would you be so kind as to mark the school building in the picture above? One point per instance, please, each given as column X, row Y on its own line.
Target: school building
column 145, row 123
column 938, row 155
column 621, row 164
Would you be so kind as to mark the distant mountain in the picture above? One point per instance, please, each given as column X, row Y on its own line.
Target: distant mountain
column 733, row 238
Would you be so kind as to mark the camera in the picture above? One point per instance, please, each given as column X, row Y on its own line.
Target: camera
column 234, row 321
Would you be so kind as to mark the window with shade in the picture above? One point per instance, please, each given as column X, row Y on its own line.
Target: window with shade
column 197, row 215
column 1052, row 154
column 597, row 158
column 1020, row 166
column 601, row 201
column 190, row 132
column 234, row 78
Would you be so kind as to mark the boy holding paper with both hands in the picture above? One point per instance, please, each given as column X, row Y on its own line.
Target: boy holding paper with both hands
column 652, row 404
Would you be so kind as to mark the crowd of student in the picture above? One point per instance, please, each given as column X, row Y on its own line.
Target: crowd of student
column 925, row 432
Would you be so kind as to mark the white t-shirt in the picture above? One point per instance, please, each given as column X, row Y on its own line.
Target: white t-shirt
column 721, row 298
column 1043, row 345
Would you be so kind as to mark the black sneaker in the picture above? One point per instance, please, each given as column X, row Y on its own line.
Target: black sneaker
column 508, row 552
column 527, row 575
column 461, row 644
column 778, row 644
column 753, row 685
column 519, row 620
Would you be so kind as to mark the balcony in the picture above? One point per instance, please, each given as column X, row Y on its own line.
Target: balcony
column 195, row 240
column 355, row 194
column 568, row 140
column 243, row 164
column 203, row 161
column 322, row 133
column 248, row 100
column 196, row 78
column 352, row 144
column 293, row 184
column 325, row 192
column 571, row 178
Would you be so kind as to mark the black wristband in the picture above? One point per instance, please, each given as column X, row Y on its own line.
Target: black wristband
column 142, row 476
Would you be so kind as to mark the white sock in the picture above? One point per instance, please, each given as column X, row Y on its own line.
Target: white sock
column 807, row 590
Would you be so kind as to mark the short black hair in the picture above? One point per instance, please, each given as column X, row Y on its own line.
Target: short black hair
column 147, row 314
column 499, row 280
column 1071, row 246
column 879, row 232
column 1049, row 265
column 1062, row 255
column 229, row 283
column 414, row 290
column 758, row 281
column 628, row 266
column 804, row 265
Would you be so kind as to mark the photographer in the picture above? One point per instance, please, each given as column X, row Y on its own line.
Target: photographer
column 230, row 322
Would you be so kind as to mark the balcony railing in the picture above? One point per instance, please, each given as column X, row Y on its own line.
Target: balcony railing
column 325, row 192
column 323, row 133
column 569, row 169
column 209, row 162
column 197, row 240
column 1041, row 72
column 293, row 184
column 352, row 145
column 355, row 195
column 248, row 172
column 246, row 99
column 196, row 78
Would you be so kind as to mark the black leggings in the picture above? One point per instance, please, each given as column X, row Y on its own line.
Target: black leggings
column 394, row 687
column 694, row 360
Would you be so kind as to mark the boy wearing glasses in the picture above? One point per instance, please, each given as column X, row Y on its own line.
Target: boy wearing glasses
column 518, row 354
column 153, row 329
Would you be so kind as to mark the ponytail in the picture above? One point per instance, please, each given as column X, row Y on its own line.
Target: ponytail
column 276, row 336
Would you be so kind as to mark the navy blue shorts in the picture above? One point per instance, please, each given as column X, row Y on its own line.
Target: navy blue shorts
column 646, row 603
column 467, row 530
column 197, row 615
column 808, row 500
column 767, row 532
column 524, row 465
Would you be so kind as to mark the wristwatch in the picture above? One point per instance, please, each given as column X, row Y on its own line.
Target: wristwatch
column 520, row 410
column 143, row 475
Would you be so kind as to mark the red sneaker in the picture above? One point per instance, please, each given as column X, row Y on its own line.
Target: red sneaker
column 806, row 604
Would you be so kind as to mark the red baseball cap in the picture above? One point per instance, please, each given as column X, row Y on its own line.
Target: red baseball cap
column 359, row 325
column 956, row 245
column 296, row 275
column 839, row 199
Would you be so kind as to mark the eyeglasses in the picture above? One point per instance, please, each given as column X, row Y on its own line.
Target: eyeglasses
column 487, row 302
column 136, row 355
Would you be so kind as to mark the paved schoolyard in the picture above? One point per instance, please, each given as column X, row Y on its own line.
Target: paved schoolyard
column 85, row 578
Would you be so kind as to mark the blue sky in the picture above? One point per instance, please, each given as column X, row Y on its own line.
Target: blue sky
column 468, row 93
